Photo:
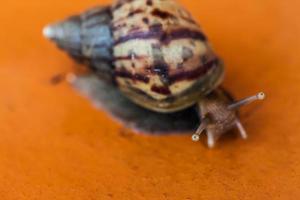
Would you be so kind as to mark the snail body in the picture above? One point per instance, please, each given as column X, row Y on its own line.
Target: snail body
column 155, row 53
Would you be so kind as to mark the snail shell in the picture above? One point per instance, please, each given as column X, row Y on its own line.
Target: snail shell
column 162, row 59
column 153, row 49
column 87, row 38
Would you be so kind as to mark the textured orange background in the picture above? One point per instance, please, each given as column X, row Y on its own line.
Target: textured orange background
column 55, row 145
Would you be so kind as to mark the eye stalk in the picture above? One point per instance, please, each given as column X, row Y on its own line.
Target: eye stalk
column 217, row 117
column 246, row 101
column 202, row 127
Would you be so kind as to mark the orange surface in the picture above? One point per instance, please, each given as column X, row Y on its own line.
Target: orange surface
column 55, row 145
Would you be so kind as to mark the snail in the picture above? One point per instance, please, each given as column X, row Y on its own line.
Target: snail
column 157, row 57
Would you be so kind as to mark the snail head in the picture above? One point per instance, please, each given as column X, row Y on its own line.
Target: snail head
column 219, row 114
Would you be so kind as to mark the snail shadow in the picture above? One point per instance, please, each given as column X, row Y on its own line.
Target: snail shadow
column 107, row 97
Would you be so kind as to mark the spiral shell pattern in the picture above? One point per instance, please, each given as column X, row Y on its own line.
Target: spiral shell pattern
column 160, row 52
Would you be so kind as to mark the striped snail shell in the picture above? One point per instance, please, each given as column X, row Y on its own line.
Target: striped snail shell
column 162, row 58
column 153, row 54
column 153, row 49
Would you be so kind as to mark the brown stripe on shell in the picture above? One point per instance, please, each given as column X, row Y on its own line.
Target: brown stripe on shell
column 134, row 77
column 193, row 74
column 149, row 3
column 129, row 57
column 161, row 90
column 162, row 14
column 134, row 12
column 179, row 76
column 156, row 32
column 167, row 15
column 130, row 14
column 185, row 33
column 137, row 35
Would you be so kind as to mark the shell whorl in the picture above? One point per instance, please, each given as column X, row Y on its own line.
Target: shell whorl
column 87, row 38
column 162, row 59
